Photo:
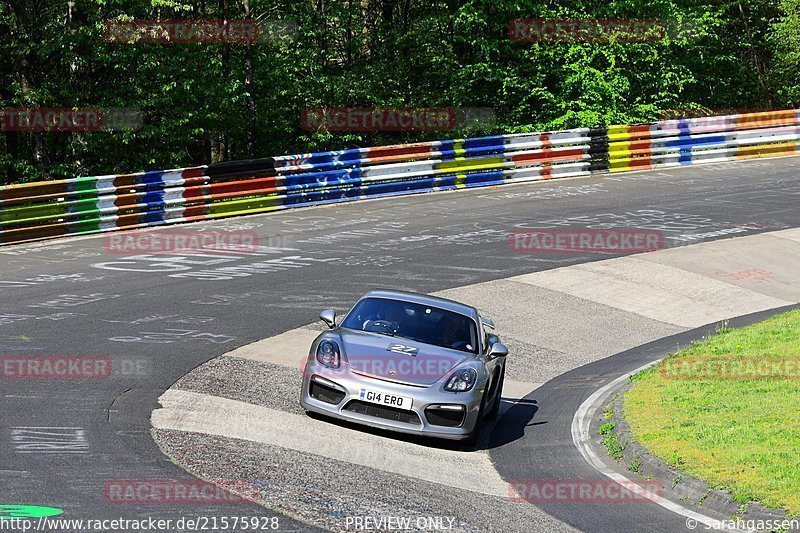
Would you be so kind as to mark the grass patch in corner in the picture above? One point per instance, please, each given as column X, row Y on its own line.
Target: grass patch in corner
column 727, row 410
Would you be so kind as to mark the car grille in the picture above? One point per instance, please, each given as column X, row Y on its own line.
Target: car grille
column 380, row 411
column 324, row 393
column 445, row 417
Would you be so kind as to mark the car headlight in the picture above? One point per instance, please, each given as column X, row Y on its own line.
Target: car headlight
column 328, row 354
column 462, row 380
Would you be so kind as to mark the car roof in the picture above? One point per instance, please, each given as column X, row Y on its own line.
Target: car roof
column 424, row 299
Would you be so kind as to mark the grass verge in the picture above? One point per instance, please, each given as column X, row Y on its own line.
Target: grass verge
column 727, row 411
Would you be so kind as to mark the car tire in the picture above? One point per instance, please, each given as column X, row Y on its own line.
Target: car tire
column 476, row 430
column 492, row 413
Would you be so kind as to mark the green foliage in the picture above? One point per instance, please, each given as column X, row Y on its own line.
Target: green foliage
column 784, row 39
column 196, row 100
column 636, row 465
column 611, row 440
column 613, row 445
column 606, row 428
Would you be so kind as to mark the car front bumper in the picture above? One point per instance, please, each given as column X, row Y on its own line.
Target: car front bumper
column 349, row 387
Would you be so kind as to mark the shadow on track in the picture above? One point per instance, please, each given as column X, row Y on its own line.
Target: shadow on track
column 515, row 415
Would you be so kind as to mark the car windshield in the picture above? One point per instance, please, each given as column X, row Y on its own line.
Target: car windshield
column 417, row 322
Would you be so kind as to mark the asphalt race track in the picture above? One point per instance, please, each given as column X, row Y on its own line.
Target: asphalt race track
column 556, row 402
column 158, row 316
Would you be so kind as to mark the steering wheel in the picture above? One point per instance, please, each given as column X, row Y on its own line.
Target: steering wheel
column 388, row 325
column 459, row 345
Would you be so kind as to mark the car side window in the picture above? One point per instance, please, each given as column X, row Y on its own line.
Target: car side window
column 488, row 339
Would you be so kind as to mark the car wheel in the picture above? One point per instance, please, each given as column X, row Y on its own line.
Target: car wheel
column 476, row 431
column 492, row 413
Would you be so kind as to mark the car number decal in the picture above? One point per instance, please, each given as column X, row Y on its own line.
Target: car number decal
column 403, row 349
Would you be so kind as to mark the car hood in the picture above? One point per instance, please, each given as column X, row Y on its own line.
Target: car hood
column 398, row 359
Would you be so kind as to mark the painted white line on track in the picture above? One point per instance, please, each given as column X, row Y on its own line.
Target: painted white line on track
column 580, row 437
column 213, row 415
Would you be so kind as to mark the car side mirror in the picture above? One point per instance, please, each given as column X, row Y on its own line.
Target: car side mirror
column 329, row 317
column 498, row 349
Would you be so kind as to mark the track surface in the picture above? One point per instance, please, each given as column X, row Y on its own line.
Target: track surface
column 556, row 403
column 163, row 315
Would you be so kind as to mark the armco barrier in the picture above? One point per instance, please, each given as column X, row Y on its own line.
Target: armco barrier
column 124, row 201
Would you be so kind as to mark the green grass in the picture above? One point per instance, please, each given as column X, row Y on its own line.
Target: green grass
column 611, row 440
column 740, row 435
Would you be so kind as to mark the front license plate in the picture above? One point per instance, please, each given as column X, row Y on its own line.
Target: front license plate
column 383, row 398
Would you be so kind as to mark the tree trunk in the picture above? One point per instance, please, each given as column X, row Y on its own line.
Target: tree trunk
column 249, row 89
column 220, row 149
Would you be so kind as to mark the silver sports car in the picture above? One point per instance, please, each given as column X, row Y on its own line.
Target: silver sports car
column 407, row 362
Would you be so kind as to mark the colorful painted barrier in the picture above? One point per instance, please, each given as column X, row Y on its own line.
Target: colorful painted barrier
column 94, row 204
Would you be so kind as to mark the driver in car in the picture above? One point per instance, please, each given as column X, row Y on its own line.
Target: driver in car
column 396, row 315
column 393, row 318
column 451, row 334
